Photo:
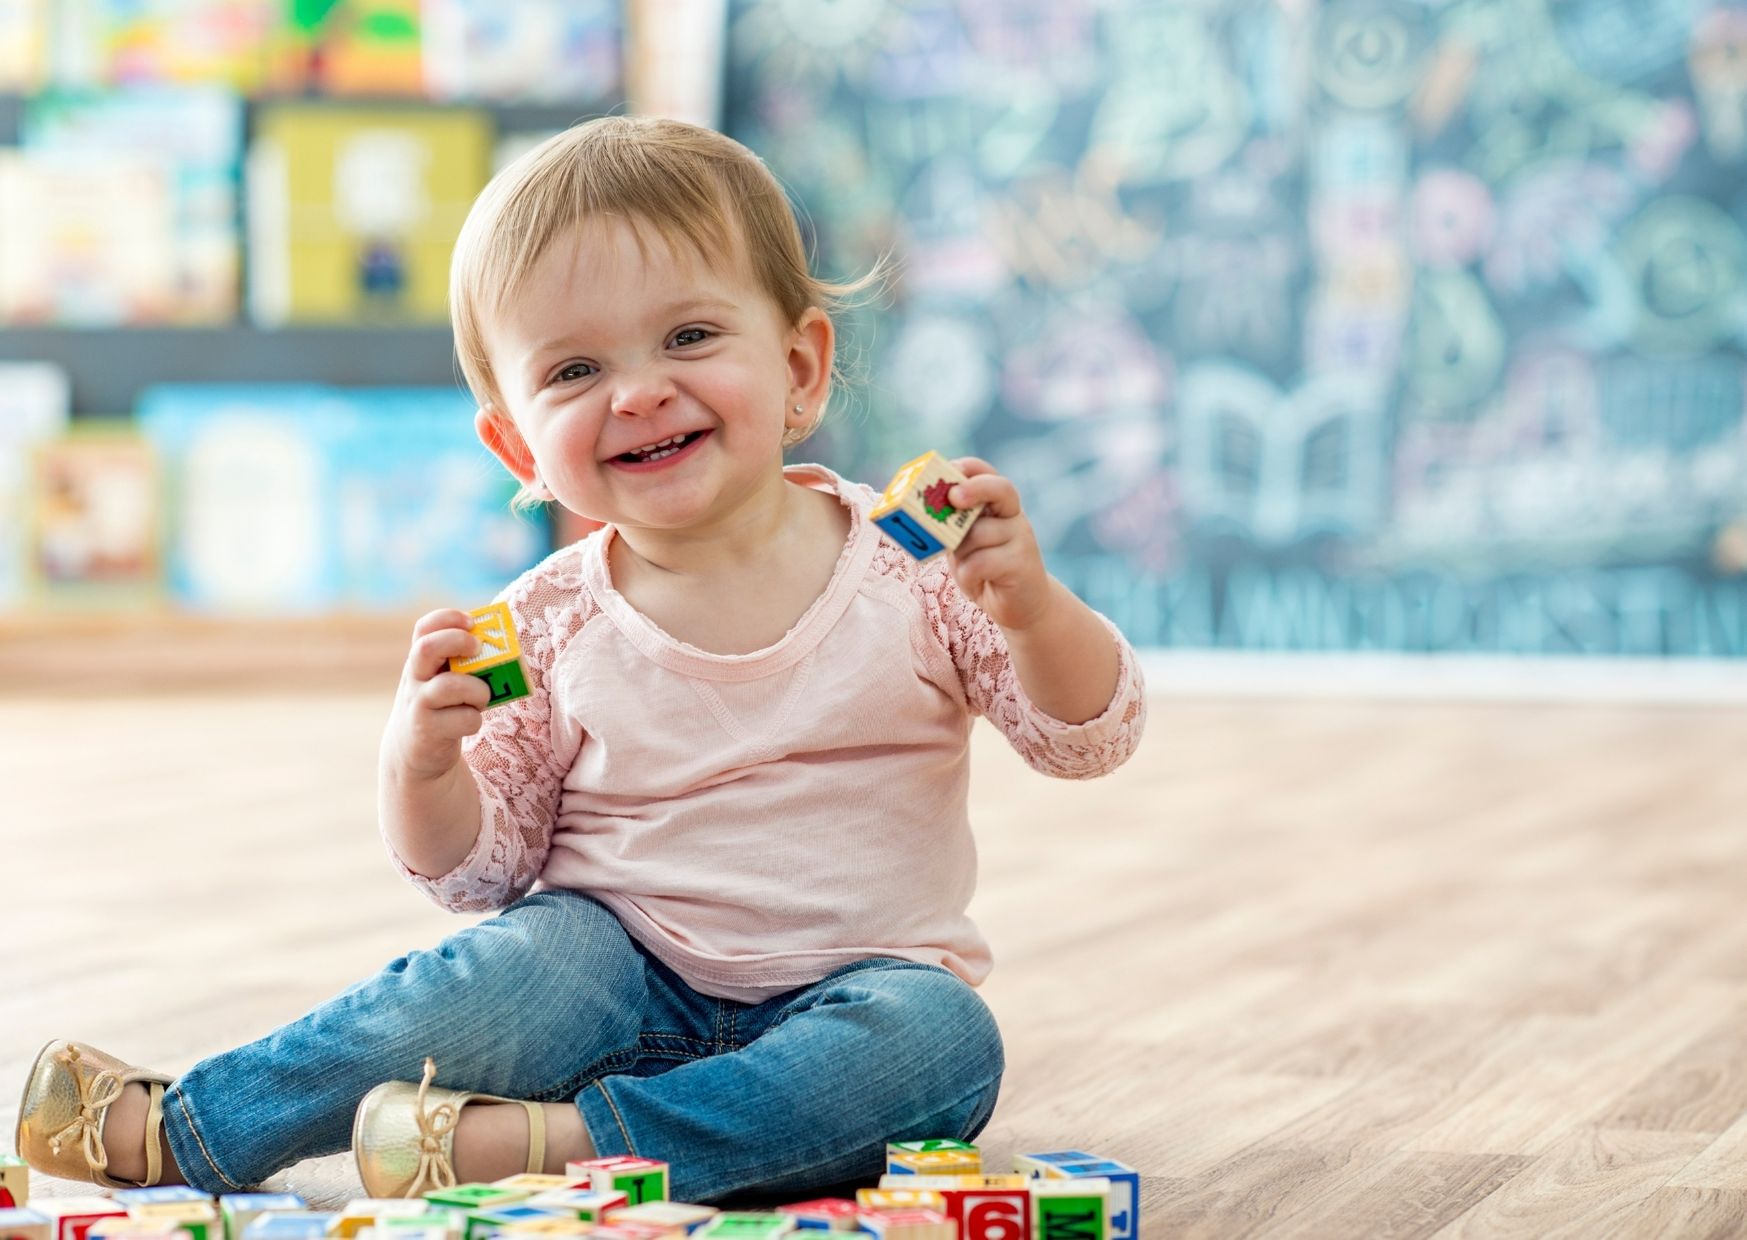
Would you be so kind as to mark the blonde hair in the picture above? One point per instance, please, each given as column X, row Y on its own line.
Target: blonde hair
column 692, row 186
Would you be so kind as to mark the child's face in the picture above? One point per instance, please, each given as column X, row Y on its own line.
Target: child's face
column 612, row 349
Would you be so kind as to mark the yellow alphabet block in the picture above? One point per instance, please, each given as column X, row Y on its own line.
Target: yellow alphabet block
column 899, row 1199
column 499, row 661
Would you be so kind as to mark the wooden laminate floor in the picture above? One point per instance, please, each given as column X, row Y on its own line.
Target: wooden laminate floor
column 1314, row 969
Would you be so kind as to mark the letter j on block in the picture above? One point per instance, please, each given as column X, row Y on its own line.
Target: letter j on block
column 915, row 513
column 499, row 661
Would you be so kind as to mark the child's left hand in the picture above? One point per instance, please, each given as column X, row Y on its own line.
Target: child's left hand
column 998, row 565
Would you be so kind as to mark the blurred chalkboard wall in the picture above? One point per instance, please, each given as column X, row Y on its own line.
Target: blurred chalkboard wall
column 1362, row 324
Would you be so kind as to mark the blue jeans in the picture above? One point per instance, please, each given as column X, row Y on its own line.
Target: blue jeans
column 551, row 1001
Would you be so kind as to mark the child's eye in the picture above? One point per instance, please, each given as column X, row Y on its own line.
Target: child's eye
column 573, row 371
column 690, row 335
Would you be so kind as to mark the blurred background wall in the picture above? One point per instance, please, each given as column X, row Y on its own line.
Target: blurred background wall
column 1352, row 325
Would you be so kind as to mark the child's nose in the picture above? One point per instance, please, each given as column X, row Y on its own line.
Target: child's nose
column 643, row 391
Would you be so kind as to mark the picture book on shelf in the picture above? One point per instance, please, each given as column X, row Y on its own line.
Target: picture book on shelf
column 87, row 243
column 92, row 526
column 129, row 43
column 194, row 138
column 35, row 400
column 523, row 51
column 353, row 212
column 250, row 499
column 346, row 48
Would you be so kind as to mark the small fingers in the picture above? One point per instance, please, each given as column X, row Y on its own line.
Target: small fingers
column 432, row 651
column 448, row 689
column 998, row 495
column 451, row 723
column 442, row 618
column 988, row 531
column 971, row 466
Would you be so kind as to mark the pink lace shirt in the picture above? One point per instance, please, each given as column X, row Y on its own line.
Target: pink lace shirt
column 758, row 820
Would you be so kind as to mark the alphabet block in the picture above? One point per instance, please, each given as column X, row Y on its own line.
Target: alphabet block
column 1036, row 1166
column 240, row 1209
column 950, row 1183
column 136, row 1199
column 747, row 1225
column 1070, row 1209
column 448, row 1222
column 14, row 1182
column 937, row 1157
column 582, row 1203
column 497, row 1218
column 20, row 1224
column 909, row 1225
column 289, row 1225
column 475, row 1196
column 669, row 1214
column 1124, row 1191
column 499, row 661
column 71, row 1217
column 898, row 1199
column 990, row 1213
column 528, row 1182
column 824, row 1214
column 914, row 511
column 131, row 1228
column 553, row 1225
column 640, row 1179
column 199, row 1219
column 633, row 1231
column 372, row 1211
column 985, row 1207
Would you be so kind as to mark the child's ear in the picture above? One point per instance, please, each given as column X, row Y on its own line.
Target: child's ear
column 501, row 438
column 810, row 351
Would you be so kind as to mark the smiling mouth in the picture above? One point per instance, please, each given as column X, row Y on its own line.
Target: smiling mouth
column 658, row 451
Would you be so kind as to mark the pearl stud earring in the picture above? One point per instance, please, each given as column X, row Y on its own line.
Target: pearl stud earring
column 800, row 409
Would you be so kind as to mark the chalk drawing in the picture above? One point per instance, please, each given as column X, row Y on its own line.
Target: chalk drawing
column 1301, row 324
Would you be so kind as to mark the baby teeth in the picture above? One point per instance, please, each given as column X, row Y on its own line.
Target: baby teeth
column 656, row 451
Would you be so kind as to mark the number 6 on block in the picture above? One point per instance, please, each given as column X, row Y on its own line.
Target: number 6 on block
column 499, row 661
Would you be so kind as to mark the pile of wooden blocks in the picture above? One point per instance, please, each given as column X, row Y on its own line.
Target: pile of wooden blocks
column 932, row 1190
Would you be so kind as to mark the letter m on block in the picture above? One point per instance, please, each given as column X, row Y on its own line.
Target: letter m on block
column 1071, row 1224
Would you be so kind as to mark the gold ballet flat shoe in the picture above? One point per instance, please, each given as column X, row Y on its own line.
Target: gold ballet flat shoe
column 403, row 1136
column 66, row 1102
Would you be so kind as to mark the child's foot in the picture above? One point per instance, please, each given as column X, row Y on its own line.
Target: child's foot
column 65, row 1115
column 124, row 1138
column 491, row 1140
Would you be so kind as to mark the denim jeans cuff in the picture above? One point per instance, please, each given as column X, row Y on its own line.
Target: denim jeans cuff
column 193, row 1159
column 604, row 1121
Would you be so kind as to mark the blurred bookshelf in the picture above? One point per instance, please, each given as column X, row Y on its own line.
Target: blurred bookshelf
column 235, row 447
column 110, row 366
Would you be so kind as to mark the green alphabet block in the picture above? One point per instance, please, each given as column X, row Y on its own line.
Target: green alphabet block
column 507, row 682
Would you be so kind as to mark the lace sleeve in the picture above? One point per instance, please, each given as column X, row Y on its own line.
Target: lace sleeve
column 978, row 650
column 521, row 754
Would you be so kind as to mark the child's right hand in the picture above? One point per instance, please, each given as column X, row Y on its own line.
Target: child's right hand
column 435, row 707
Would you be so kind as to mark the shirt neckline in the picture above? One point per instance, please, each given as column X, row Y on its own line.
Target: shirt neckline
column 802, row 638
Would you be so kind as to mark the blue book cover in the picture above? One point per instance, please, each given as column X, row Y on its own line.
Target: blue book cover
column 423, row 508
column 302, row 499
column 252, row 500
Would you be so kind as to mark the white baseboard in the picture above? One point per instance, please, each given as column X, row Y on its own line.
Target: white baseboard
column 1455, row 678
